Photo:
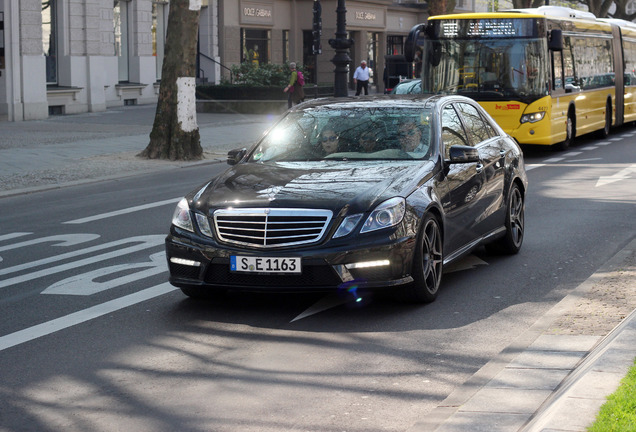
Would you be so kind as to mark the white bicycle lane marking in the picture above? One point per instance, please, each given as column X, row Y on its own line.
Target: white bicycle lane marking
column 49, row 327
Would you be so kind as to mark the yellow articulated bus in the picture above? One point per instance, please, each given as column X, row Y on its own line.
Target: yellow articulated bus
column 546, row 75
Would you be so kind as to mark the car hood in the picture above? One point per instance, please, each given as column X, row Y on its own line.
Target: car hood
column 323, row 185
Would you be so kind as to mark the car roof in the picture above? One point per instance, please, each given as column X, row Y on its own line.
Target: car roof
column 380, row 100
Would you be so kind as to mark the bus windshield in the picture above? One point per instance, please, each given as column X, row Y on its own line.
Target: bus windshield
column 486, row 69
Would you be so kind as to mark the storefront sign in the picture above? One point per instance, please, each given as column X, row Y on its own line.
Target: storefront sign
column 366, row 17
column 256, row 13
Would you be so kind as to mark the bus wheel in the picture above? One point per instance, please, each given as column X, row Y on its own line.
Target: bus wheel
column 604, row 133
column 569, row 133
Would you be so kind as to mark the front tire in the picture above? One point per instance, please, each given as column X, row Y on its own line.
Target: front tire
column 510, row 243
column 428, row 262
column 570, row 131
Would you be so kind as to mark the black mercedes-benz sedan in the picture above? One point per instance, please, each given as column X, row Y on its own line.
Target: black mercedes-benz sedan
column 353, row 194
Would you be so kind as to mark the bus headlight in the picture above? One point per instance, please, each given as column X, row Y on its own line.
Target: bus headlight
column 532, row 117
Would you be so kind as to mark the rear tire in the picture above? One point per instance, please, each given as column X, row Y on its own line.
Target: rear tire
column 604, row 133
column 428, row 262
column 510, row 243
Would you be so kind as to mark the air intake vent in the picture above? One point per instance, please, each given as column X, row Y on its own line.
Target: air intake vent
column 267, row 228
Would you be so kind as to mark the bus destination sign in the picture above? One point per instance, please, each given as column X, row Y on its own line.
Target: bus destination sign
column 490, row 28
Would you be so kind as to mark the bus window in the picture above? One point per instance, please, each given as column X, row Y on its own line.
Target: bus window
column 557, row 70
column 630, row 63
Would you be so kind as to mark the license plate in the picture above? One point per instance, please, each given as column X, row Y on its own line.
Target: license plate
column 265, row 265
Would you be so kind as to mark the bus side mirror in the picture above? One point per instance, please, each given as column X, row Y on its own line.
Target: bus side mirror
column 413, row 40
column 555, row 40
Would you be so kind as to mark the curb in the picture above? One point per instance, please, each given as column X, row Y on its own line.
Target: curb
column 452, row 413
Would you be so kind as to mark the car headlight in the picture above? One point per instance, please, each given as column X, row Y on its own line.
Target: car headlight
column 532, row 117
column 389, row 213
column 181, row 217
column 204, row 224
column 347, row 225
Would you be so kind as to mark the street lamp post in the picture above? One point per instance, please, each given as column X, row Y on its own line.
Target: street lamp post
column 341, row 44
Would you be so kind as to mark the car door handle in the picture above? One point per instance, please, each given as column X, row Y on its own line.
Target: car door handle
column 479, row 168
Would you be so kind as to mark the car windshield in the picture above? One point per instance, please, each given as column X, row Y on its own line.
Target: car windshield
column 373, row 132
column 488, row 69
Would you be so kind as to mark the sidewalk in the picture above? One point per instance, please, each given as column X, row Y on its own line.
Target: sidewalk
column 554, row 377
column 75, row 148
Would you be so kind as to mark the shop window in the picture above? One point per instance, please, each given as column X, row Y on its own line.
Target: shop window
column 394, row 45
column 309, row 59
column 372, row 53
column 120, row 17
column 49, row 39
column 255, row 46
column 159, row 25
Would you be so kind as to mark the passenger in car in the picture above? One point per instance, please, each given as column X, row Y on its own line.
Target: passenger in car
column 367, row 142
column 329, row 140
column 410, row 135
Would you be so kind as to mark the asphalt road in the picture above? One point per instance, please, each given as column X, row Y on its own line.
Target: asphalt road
column 93, row 339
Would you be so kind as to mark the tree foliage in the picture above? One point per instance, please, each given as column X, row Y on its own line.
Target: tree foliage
column 600, row 8
column 173, row 135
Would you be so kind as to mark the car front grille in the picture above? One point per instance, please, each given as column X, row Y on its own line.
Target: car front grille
column 267, row 228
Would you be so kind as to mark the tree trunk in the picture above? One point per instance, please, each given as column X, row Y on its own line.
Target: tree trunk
column 175, row 133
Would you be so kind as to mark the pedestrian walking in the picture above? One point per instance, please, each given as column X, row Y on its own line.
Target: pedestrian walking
column 295, row 91
column 361, row 78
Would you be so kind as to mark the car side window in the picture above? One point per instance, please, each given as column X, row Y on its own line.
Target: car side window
column 452, row 130
column 479, row 129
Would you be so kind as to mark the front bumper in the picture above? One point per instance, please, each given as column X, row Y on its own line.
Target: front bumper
column 196, row 264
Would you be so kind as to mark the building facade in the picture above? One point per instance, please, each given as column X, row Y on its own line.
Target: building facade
column 73, row 56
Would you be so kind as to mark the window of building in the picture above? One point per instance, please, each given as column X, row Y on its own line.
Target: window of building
column 49, row 39
column 373, row 41
column 285, row 46
column 159, row 25
column 309, row 59
column 255, row 46
column 394, row 45
column 120, row 17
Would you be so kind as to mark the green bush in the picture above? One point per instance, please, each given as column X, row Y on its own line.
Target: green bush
column 264, row 75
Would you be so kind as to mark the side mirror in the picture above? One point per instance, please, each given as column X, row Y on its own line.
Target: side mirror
column 413, row 41
column 555, row 40
column 463, row 154
column 235, row 156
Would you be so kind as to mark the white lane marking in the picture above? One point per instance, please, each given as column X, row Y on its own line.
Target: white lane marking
column 145, row 242
column 79, row 317
column 468, row 263
column 623, row 174
column 574, row 153
column 604, row 143
column 13, row 235
column 123, row 211
column 553, row 160
column 327, row 302
column 584, row 160
column 533, row 166
column 617, row 139
column 86, row 284
column 64, row 240
column 589, row 148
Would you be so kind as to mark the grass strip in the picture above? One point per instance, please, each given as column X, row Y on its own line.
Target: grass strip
column 618, row 414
